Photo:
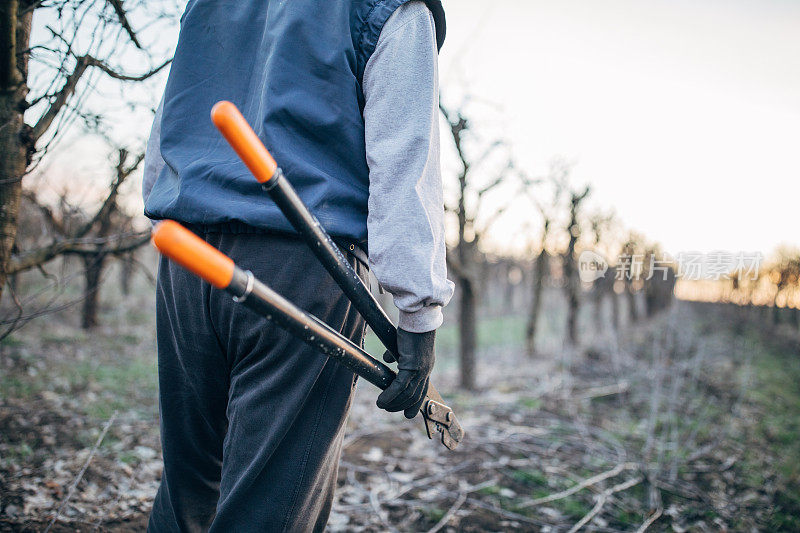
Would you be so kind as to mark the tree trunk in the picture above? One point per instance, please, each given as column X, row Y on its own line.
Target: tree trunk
column 126, row 273
column 633, row 313
column 573, row 283
column 13, row 161
column 572, row 287
column 650, row 300
column 776, row 313
column 573, row 304
column 614, row 310
column 94, row 269
column 16, row 144
column 597, row 309
column 540, row 271
column 466, row 306
column 509, row 301
column 467, row 333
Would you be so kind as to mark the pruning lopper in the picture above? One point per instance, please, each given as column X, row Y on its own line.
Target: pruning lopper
column 199, row 257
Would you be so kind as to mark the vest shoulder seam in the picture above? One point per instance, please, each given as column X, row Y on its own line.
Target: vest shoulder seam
column 363, row 53
column 422, row 14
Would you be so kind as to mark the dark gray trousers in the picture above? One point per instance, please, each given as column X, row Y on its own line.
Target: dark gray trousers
column 252, row 420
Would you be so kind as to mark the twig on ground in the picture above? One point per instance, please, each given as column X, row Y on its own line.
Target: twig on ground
column 652, row 518
column 502, row 512
column 582, row 485
column 424, row 481
column 601, row 500
column 600, row 392
column 657, row 503
column 462, row 497
column 82, row 471
column 376, row 506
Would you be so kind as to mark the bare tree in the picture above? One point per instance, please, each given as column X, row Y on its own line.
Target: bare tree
column 743, row 284
column 630, row 268
column 84, row 40
column 106, row 220
column 603, row 288
column 784, row 276
column 93, row 237
column 548, row 210
column 540, row 268
column 573, row 284
column 463, row 259
column 658, row 283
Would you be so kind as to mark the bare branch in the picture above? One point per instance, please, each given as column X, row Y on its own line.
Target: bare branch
column 114, row 245
column 20, row 311
column 498, row 180
column 127, row 77
column 123, row 20
column 456, row 267
column 71, row 82
column 491, row 220
column 61, row 97
column 46, row 212
column 110, row 202
column 458, row 126
column 578, row 197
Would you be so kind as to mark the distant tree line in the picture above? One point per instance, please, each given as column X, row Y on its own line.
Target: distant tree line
column 775, row 284
column 564, row 227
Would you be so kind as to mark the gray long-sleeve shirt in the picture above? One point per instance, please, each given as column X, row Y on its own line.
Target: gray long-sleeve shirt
column 405, row 223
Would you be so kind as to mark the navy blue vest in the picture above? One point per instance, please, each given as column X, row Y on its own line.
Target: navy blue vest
column 294, row 68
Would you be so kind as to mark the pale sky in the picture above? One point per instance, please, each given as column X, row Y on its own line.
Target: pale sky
column 684, row 116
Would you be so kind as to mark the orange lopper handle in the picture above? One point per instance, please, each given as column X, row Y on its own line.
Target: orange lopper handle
column 234, row 127
column 193, row 253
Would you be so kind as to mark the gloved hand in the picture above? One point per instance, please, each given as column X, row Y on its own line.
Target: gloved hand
column 414, row 366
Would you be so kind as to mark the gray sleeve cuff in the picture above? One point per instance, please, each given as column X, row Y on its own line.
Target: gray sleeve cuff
column 426, row 319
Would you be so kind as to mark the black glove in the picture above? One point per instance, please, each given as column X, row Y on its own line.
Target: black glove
column 414, row 366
